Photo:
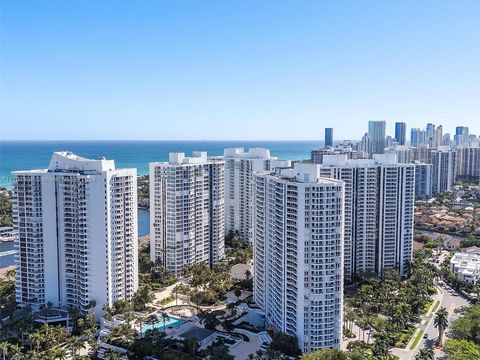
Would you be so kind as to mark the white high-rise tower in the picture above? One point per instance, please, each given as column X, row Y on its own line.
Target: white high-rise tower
column 379, row 203
column 187, row 223
column 240, row 168
column 298, row 254
column 77, row 233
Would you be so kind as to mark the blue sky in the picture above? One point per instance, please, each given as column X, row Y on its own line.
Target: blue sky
column 235, row 69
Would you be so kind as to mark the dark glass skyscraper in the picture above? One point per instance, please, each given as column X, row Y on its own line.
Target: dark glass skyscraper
column 328, row 136
column 400, row 132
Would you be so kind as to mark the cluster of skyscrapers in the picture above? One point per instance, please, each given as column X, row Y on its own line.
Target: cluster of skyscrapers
column 314, row 225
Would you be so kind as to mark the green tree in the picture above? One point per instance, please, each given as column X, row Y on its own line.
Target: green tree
column 4, row 347
column 441, row 322
column 467, row 326
column 142, row 297
column 425, row 354
column 461, row 350
column 75, row 345
column 5, row 210
column 285, row 344
column 325, row 354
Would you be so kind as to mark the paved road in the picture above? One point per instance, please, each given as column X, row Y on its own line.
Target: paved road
column 448, row 301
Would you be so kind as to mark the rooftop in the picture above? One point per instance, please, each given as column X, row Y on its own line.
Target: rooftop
column 197, row 333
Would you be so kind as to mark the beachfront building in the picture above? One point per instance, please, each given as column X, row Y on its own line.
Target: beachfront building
column 379, row 204
column 298, row 254
column 187, row 223
column 466, row 266
column 77, row 233
column 444, row 169
column 240, row 168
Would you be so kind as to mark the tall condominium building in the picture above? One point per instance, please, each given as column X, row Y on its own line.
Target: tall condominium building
column 77, row 233
column 363, row 147
column 418, row 137
column 328, row 137
column 438, row 141
column 240, row 168
column 404, row 154
column 468, row 160
column 379, row 201
column 423, row 180
column 376, row 133
column 401, row 132
column 444, row 168
column 316, row 155
column 187, row 205
column 430, row 135
column 298, row 254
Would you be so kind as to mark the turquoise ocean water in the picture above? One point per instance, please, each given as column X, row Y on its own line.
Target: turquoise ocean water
column 28, row 155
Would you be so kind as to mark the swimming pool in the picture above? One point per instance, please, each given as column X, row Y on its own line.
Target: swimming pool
column 170, row 321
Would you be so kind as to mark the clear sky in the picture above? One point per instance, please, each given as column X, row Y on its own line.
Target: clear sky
column 235, row 69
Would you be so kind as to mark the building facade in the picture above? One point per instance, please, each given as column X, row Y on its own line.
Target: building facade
column 379, row 209
column 240, row 168
column 468, row 161
column 444, row 169
column 77, row 233
column 400, row 132
column 328, row 137
column 187, row 211
column 423, row 180
column 316, row 155
column 298, row 254
column 376, row 134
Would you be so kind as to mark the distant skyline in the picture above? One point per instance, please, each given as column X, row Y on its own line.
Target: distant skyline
column 235, row 70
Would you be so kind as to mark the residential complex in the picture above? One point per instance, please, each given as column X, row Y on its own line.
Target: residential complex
column 298, row 254
column 443, row 176
column 316, row 155
column 468, row 161
column 187, row 211
column 466, row 266
column 77, row 233
column 240, row 168
column 379, row 203
column 423, row 180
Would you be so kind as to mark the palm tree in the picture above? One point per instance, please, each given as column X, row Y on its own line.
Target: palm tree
column 425, row 354
column 36, row 338
column 58, row 353
column 75, row 344
column 441, row 322
column 111, row 354
column 164, row 319
column 16, row 352
column 4, row 346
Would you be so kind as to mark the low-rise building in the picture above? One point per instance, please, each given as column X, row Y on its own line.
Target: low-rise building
column 466, row 266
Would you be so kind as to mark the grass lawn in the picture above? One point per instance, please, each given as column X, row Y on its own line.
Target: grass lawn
column 426, row 307
column 436, row 306
column 417, row 339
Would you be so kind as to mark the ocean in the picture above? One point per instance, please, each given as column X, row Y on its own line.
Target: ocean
column 28, row 155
